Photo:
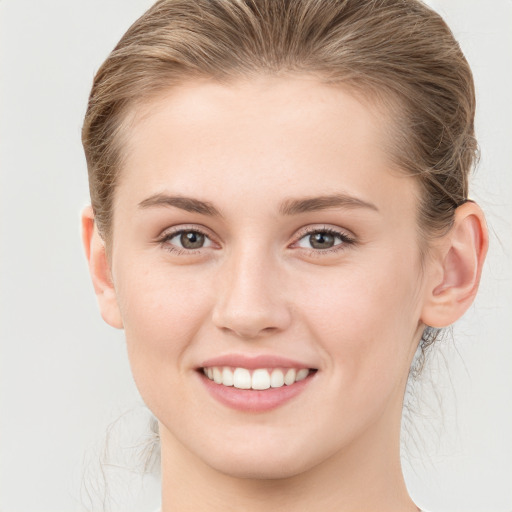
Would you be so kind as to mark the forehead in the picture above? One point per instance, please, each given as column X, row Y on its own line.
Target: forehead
column 263, row 139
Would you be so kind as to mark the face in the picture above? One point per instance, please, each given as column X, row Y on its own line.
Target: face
column 261, row 235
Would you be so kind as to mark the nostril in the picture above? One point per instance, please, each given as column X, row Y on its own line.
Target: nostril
column 249, row 331
column 249, row 302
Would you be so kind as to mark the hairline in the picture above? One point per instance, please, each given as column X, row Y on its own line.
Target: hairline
column 383, row 101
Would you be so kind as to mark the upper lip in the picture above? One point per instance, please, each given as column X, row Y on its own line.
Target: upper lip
column 253, row 362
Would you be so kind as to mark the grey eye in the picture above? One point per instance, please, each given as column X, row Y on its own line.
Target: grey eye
column 192, row 240
column 321, row 240
column 189, row 239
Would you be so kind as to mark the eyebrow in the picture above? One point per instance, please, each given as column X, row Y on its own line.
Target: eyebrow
column 288, row 207
column 188, row 204
column 312, row 204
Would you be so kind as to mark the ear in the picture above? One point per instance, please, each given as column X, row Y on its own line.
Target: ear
column 458, row 266
column 99, row 269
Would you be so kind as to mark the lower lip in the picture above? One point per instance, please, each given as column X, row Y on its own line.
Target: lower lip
column 252, row 400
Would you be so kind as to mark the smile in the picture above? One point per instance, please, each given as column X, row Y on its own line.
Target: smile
column 257, row 379
column 255, row 383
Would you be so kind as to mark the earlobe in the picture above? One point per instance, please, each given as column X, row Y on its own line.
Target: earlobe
column 460, row 261
column 99, row 269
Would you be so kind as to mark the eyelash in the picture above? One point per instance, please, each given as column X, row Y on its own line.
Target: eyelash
column 346, row 240
column 164, row 241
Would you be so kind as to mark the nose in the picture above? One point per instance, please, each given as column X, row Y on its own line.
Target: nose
column 251, row 297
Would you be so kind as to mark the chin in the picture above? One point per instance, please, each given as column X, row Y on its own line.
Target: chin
column 259, row 462
column 257, row 470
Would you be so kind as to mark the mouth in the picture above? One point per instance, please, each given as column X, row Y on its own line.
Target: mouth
column 258, row 379
column 255, row 385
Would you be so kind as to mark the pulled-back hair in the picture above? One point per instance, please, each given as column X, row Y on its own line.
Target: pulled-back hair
column 398, row 51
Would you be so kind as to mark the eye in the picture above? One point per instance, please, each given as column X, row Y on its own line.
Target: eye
column 324, row 239
column 188, row 239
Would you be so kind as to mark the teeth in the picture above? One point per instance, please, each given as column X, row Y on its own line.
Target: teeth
column 217, row 376
column 242, row 378
column 259, row 379
column 277, row 379
column 301, row 374
column 289, row 378
column 227, row 377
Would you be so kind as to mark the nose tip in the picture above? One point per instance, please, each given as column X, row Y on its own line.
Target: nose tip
column 250, row 303
column 246, row 326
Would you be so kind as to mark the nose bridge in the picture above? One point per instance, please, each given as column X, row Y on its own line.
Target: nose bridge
column 250, row 300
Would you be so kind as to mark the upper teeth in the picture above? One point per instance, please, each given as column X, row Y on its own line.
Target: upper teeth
column 261, row 378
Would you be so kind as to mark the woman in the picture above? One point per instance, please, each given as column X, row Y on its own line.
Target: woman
column 280, row 217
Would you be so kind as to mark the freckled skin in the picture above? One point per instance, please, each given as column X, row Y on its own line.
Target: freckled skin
column 257, row 288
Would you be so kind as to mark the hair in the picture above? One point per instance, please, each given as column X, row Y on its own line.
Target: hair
column 397, row 51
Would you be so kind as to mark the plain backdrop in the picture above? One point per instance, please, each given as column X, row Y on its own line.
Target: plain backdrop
column 64, row 373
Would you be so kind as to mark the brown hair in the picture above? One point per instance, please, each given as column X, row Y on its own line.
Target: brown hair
column 398, row 50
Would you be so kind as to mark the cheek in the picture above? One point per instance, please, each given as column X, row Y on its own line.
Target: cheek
column 365, row 318
column 162, row 308
column 160, row 298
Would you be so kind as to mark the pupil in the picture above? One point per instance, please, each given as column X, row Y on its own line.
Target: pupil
column 321, row 240
column 192, row 240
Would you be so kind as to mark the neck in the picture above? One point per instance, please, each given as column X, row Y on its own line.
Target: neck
column 366, row 475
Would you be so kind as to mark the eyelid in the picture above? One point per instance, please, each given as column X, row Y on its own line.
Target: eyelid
column 324, row 228
column 346, row 237
column 174, row 230
column 170, row 232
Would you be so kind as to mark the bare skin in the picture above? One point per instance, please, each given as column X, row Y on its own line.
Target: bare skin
column 252, row 159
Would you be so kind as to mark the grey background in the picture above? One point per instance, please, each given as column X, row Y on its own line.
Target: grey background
column 64, row 373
